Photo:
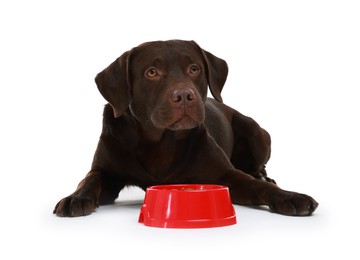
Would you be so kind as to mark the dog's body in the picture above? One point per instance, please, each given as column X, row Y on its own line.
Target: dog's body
column 160, row 128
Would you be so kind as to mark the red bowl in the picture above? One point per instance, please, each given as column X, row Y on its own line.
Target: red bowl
column 187, row 206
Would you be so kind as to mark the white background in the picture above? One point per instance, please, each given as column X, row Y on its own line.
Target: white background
column 294, row 67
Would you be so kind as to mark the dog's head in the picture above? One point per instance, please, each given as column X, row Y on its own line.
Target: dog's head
column 164, row 83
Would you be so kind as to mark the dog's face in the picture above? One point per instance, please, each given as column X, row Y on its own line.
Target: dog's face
column 163, row 83
column 169, row 84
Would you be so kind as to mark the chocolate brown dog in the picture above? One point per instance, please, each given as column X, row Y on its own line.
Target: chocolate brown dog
column 160, row 128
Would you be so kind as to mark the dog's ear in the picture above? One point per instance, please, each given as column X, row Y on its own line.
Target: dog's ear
column 113, row 84
column 217, row 71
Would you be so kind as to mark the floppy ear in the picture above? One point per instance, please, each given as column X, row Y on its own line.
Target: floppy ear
column 217, row 71
column 113, row 84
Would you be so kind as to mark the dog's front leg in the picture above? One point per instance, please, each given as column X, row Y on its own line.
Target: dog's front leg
column 85, row 198
column 246, row 190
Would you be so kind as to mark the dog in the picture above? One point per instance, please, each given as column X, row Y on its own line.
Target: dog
column 160, row 127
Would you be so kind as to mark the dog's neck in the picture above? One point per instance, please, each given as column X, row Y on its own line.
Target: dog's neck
column 150, row 133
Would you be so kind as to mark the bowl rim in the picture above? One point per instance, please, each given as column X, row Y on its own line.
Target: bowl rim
column 189, row 187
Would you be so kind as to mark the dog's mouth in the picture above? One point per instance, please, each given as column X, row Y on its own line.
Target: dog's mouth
column 183, row 123
column 177, row 121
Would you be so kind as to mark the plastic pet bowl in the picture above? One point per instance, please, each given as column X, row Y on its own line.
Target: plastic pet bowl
column 187, row 206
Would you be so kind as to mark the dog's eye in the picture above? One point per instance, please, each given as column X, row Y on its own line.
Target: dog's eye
column 151, row 72
column 194, row 69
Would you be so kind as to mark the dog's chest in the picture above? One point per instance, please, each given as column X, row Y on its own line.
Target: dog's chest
column 162, row 159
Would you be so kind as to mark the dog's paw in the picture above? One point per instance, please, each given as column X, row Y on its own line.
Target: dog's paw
column 293, row 204
column 75, row 206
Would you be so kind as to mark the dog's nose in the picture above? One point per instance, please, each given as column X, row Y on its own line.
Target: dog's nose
column 183, row 95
